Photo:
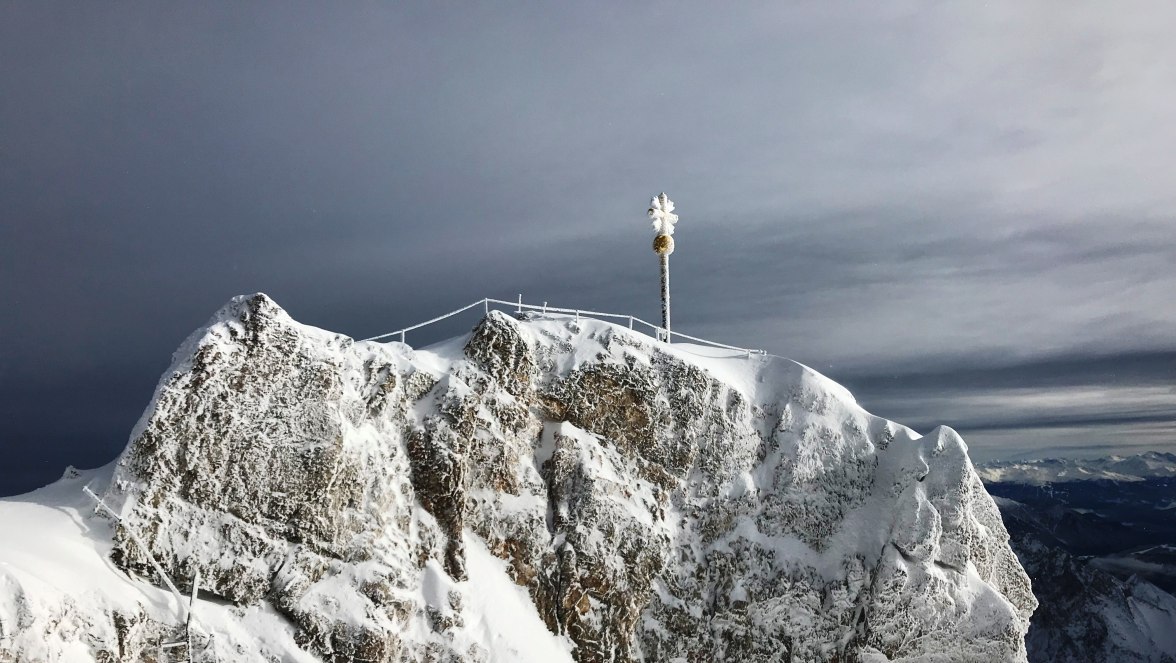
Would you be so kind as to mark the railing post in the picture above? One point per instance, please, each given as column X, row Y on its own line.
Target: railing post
column 544, row 308
column 192, row 604
column 486, row 306
column 520, row 309
column 142, row 546
column 402, row 337
column 630, row 322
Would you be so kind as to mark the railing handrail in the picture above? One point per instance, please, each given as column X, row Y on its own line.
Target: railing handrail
column 428, row 322
column 486, row 301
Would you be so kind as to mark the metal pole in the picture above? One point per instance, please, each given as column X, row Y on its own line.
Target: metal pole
column 191, row 609
column 665, row 294
column 195, row 593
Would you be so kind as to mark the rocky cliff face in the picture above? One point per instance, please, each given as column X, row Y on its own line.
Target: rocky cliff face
column 1086, row 613
column 649, row 502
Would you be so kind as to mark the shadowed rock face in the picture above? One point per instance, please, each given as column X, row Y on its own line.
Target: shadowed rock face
column 1087, row 613
column 653, row 506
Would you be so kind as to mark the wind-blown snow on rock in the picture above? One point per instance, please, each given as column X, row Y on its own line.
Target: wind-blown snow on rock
column 621, row 499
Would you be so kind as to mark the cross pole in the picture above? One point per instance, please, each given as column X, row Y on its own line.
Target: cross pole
column 661, row 211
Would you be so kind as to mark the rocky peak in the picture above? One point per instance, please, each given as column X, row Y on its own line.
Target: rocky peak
column 650, row 501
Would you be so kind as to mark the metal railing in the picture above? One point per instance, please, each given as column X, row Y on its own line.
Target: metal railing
column 660, row 333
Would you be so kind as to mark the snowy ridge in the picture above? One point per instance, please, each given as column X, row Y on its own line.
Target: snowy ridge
column 1149, row 465
column 544, row 488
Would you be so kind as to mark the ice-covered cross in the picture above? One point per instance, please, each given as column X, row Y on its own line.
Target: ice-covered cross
column 661, row 210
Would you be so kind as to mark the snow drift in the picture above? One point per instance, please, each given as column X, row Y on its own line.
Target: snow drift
column 545, row 488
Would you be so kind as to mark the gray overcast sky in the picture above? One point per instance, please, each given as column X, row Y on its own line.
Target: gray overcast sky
column 963, row 211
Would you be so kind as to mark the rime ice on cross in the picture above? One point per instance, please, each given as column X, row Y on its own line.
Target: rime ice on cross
column 661, row 210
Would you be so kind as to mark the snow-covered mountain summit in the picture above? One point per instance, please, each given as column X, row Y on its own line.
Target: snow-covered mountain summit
column 543, row 489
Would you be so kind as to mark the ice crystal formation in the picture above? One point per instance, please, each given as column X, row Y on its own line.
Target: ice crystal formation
column 661, row 211
column 545, row 488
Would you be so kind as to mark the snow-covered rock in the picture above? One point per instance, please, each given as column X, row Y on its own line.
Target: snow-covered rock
column 542, row 489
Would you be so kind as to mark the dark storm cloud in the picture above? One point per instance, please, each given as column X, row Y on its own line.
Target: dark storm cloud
column 912, row 185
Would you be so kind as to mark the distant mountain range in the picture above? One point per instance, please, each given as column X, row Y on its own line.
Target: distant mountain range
column 1150, row 465
column 1098, row 539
